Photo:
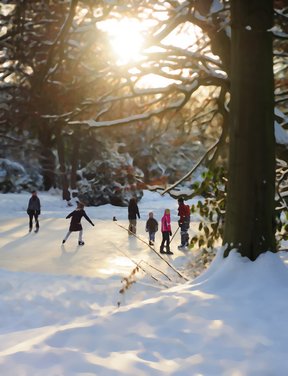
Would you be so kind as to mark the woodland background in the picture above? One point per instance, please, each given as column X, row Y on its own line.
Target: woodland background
column 73, row 117
column 58, row 71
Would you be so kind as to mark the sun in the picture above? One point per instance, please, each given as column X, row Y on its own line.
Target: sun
column 126, row 38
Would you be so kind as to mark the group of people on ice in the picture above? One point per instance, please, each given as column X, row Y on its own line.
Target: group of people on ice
column 34, row 210
column 152, row 224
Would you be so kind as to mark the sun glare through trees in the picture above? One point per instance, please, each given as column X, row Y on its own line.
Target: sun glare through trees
column 126, row 39
column 130, row 47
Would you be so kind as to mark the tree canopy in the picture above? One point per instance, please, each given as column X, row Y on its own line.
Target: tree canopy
column 61, row 77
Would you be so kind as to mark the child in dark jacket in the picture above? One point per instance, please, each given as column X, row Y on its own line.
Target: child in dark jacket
column 166, row 232
column 75, row 224
column 151, row 228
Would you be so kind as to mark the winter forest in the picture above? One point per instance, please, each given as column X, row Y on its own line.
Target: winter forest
column 104, row 101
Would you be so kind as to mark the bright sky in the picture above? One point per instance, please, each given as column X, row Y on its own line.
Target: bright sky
column 59, row 311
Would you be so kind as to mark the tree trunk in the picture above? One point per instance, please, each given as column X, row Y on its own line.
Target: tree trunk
column 249, row 222
column 47, row 158
column 75, row 157
column 61, row 157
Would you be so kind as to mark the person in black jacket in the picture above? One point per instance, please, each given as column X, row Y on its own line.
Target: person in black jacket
column 75, row 223
column 133, row 213
column 34, row 210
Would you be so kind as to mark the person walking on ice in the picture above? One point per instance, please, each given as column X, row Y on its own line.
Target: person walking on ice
column 34, row 210
column 166, row 232
column 133, row 213
column 151, row 228
column 75, row 224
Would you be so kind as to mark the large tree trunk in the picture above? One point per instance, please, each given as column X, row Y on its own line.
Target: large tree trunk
column 47, row 158
column 61, row 157
column 76, row 139
column 249, row 222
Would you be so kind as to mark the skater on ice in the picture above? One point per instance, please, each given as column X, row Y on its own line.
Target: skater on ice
column 34, row 210
column 75, row 224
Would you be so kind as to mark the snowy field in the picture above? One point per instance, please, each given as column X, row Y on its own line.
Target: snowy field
column 62, row 313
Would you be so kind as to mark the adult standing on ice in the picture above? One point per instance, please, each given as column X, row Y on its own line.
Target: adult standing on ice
column 133, row 213
column 75, row 224
column 34, row 210
column 184, row 222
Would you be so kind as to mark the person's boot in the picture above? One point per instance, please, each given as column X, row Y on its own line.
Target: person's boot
column 169, row 252
column 162, row 250
column 81, row 242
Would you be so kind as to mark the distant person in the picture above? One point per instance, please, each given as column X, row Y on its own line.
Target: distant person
column 34, row 210
column 151, row 228
column 184, row 222
column 133, row 213
column 166, row 232
column 75, row 224
column 66, row 195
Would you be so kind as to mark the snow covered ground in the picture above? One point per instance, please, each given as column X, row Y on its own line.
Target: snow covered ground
column 62, row 313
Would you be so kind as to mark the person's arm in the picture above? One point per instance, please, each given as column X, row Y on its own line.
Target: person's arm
column 28, row 209
column 70, row 215
column 181, row 215
column 138, row 212
column 87, row 218
column 39, row 206
column 169, row 227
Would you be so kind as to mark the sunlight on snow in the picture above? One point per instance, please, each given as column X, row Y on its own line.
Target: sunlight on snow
column 60, row 315
column 216, row 324
column 203, row 295
column 115, row 263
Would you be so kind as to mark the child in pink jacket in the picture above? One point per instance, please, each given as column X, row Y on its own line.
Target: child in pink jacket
column 166, row 232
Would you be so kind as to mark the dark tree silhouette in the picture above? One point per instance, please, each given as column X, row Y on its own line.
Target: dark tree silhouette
column 250, row 213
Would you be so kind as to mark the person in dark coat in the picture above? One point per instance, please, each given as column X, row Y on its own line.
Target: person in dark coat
column 34, row 210
column 151, row 228
column 75, row 223
column 133, row 213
